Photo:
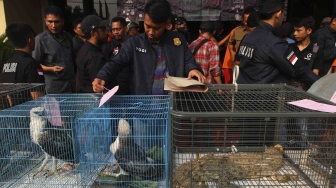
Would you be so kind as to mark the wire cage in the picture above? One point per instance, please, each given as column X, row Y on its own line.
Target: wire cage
column 34, row 128
column 250, row 137
column 14, row 94
column 111, row 158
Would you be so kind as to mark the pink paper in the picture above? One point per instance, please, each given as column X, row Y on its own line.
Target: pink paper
column 53, row 111
column 309, row 104
column 108, row 95
column 333, row 98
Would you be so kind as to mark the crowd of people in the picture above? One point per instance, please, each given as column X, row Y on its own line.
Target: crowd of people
column 103, row 54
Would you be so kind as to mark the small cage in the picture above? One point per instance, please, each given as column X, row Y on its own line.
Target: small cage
column 250, row 138
column 44, row 125
column 109, row 158
column 14, row 94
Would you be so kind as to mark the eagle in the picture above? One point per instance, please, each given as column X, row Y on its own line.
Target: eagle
column 55, row 143
column 132, row 159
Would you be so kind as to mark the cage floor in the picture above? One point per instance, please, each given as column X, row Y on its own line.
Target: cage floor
column 267, row 182
column 69, row 178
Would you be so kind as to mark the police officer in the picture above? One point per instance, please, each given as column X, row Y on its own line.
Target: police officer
column 90, row 57
column 265, row 58
column 112, row 48
column 326, row 39
column 21, row 67
column 151, row 55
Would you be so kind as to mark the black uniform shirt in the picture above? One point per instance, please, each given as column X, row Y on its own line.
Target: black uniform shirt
column 265, row 58
column 89, row 61
column 78, row 43
column 111, row 49
column 22, row 68
column 307, row 54
column 326, row 39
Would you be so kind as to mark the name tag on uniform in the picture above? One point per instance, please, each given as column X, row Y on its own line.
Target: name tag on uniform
column 140, row 50
column 246, row 50
column 9, row 67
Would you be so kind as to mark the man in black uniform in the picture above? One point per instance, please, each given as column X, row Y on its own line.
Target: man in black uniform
column 305, row 47
column 326, row 39
column 151, row 55
column 265, row 58
column 79, row 37
column 21, row 67
column 112, row 48
column 90, row 57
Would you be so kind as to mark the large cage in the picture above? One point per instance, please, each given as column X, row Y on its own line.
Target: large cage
column 80, row 134
column 251, row 137
column 14, row 94
column 53, row 127
column 144, row 151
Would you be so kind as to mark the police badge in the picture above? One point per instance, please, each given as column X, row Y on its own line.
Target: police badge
column 177, row 41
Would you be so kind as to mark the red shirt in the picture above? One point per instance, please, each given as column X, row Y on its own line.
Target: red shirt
column 207, row 57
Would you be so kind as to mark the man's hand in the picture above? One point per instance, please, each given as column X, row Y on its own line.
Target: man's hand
column 197, row 74
column 97, row 85
column 233, row 55
column 57, row 69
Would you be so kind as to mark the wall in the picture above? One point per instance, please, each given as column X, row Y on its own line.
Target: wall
column 28, row 11
column 2, row 18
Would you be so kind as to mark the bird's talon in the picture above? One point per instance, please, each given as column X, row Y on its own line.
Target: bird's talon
column 36, row 172
column 50, row 173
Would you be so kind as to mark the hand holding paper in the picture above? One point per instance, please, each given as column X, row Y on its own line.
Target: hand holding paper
column 108, row 95
column 183, row 84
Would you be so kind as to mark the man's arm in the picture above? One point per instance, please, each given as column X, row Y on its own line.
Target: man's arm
column 318, row 61
column 31, row 72
column 223, row 41
column 289, row 64
column 329, row 52
column 111, row 69
column 214, row 64
column 38, row 55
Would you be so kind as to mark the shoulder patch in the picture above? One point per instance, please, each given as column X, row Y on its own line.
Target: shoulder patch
column 40, row 72
column 177, row 41
column 292, row 57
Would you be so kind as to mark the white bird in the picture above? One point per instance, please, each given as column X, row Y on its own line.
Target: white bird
column 131, row 158
column 55, row 143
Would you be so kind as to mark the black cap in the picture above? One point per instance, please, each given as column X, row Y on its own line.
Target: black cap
column 207, row 26
column 132, row 24
column 91, row 22
column 180, row 20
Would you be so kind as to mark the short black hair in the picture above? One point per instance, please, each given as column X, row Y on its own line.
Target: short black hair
column 253, row 19
column 207, row 27
column 122, row 20
column 76, row 22
column 333, row 16
column 54, row 10
column 267, row 8
column 307, row 22
column 219, row 26
column 158, row 10
column 18, row 34
column 285, row 30
column 248, row 10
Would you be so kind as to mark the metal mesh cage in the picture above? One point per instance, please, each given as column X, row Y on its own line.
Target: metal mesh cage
column 26, row 137
column 80, row 135
column 14, row 94
column 250, row 138
column 148, row 118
